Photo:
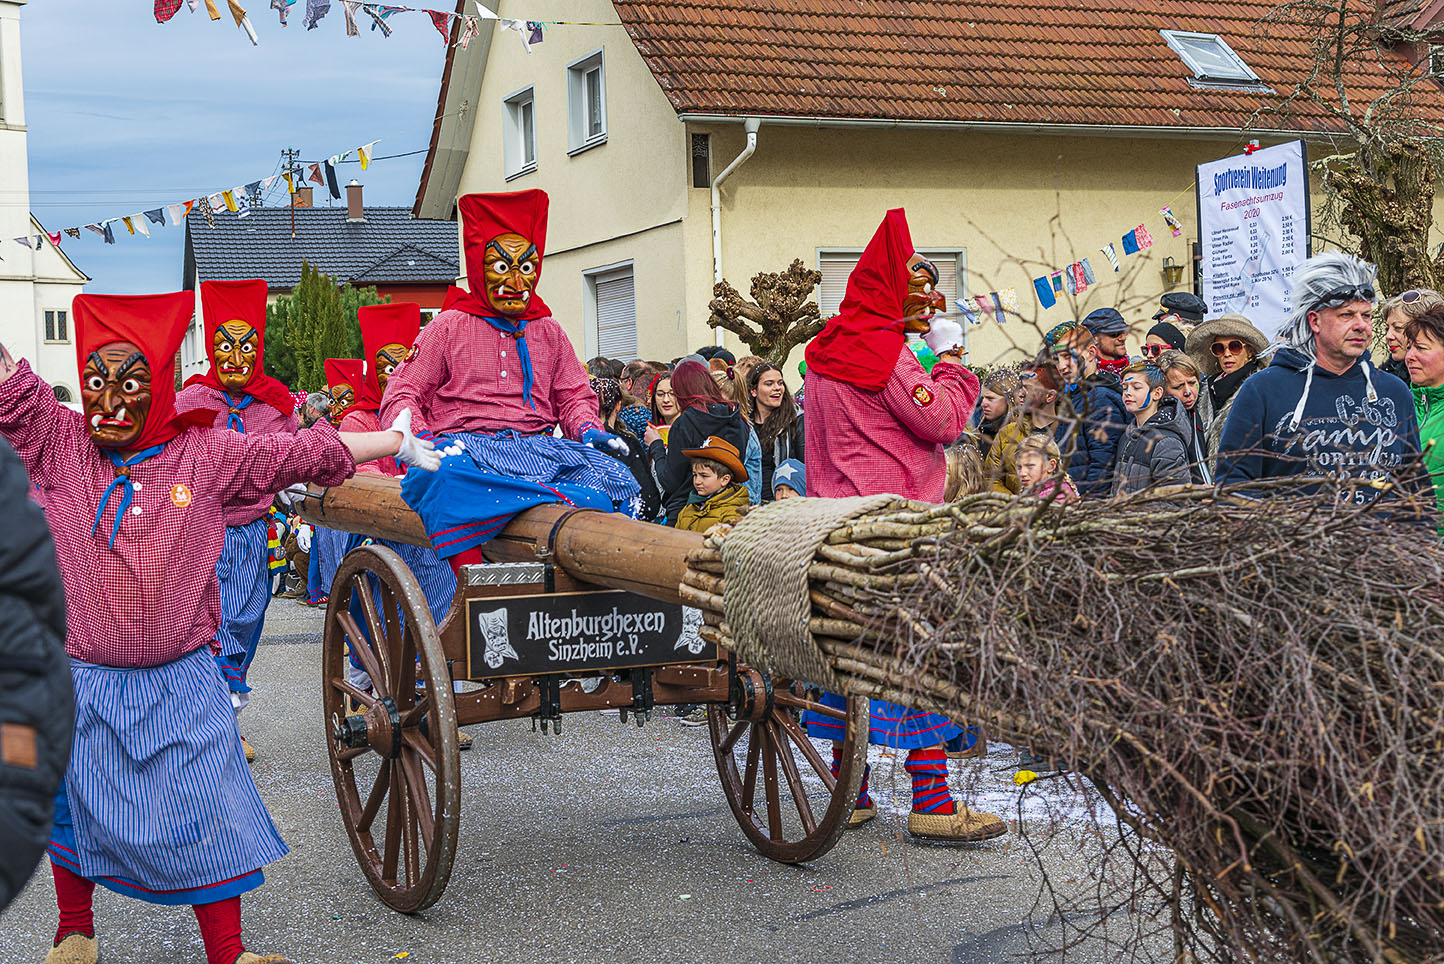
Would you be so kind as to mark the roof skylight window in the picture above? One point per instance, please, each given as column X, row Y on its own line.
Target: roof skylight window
column 1211, row 59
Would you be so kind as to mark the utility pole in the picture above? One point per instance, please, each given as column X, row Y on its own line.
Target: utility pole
column 292, row 166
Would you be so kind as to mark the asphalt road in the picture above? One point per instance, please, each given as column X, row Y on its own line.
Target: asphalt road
column 609, row 843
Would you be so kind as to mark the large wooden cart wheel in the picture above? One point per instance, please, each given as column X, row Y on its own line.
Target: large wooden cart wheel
column 766, row 751
column 396, row 766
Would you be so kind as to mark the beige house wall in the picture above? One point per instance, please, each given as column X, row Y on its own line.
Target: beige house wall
column 1019, row 205
column 622, row 200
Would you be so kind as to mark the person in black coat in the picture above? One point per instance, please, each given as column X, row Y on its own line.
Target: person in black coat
column 609, row 404
column 705, row 412
column 37, row 706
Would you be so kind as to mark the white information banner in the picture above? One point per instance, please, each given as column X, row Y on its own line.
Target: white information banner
column 1253, row 227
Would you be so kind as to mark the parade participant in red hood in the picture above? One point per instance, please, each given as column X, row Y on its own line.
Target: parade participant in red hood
column 495, row 374
column 245, row 399
column 137, row 498
column 878, row 423
column 346, row 381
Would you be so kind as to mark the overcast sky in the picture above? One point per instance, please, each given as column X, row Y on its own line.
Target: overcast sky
column 126, row 114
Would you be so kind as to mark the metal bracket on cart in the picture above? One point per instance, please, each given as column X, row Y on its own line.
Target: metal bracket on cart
column 642, row 699
column 549, row 709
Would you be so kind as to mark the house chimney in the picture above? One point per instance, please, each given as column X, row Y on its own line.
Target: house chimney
column 354, row 210
column 302, row 197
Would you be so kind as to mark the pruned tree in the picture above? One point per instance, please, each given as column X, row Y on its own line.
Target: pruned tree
column 780, row 315
column 316, row 321
column 1373, row 75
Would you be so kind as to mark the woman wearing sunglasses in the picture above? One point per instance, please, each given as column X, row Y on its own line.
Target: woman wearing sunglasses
column 1226, row 351
column 1397, row 312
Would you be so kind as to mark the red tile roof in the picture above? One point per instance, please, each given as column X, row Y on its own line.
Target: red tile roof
column 1096, row 62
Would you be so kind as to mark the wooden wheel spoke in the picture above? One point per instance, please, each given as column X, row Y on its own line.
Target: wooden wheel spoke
column 364, row 651
column 417, row 744
column 411, row 838
column 733, row 735
column 366, row 699
column 395, row 816
column 390, row 620
column 362, row 588
column 794, row 783
column 420, row 798
column 413, row 714
column 749, row 778
column 793, row 701
column 351, row 753
column 769, row 775
column 406, row 671
column 799, row 736
column 374, row 798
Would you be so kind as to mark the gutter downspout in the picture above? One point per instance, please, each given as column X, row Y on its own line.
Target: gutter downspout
column 751, row 126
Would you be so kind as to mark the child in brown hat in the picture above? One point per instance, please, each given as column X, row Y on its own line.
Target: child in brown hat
column 717, row 493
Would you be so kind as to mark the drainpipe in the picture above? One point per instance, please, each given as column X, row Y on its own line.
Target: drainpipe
column 751, row 126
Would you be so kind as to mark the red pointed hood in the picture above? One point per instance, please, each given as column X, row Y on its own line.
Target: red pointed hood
column 382, row 325
column 861, row 345
column 155, row 324
column 223, row 301
column 485, row 216
column 349, row 371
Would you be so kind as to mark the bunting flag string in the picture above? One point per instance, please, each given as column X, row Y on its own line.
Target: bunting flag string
column 529, row 31
column 237, row 200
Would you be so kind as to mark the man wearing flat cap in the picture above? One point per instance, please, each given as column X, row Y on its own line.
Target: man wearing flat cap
column 1110, row 334
column 1183, row 306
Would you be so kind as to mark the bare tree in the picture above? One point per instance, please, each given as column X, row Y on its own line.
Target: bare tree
column 1380, row 188
column 780, row 315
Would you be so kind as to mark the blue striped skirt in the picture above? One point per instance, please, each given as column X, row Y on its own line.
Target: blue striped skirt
column 245, row 590
column 327, row 548
column 158, row 802
column 889, row 725
column 475, row 494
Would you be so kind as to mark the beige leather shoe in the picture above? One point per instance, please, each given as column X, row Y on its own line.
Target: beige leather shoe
column 979, row 748
column 964, row 826
column 246, row 957
column 463, row 739
column 248, row 750
column 75, row 949
column 861, row 815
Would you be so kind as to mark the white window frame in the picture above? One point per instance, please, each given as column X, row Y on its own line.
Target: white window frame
column 957, row 255
column 57, row 312
column 591, row 335
column 513, row 133
column 579, row 137
column 1177, row 41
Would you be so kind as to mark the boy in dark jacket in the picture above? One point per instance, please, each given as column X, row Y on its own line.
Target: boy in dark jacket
column 1154, row 449
column 717, row 495
column 1097, row 400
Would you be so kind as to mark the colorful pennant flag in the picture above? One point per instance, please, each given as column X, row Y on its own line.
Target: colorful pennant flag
column 156, row 216
column 1130, row 242
column 969, row 315
column 1070, row 281
column 73, row 232
column 1057, row 277
column 441, row 20
column 25, row 241
column 1080, row 280
column 128, row 226
column 1173, row 223
column 315, row 10
column 1145, row 240
column 1111, row 253
column 1088, row 276
column 985, row 304
column 1008, row 297
column 998, row 314
column 364, row 152
column 1045, row 292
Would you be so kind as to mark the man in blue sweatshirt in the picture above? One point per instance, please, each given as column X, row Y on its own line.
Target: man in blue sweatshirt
column 1321, row 408
column 1096, row 397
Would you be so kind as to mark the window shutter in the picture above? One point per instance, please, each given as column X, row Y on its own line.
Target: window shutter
column 617, row 317
column 836, row 267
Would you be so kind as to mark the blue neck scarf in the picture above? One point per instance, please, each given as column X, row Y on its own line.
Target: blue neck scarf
column 234, row 422
column 127, row 490
column 517, row 329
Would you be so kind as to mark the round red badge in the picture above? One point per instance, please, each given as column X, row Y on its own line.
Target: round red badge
column 180, row 495
column 922, row 396
column 411, row 355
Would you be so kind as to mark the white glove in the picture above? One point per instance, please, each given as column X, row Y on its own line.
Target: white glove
column 293, row 494
column 414, row 451
column 944, row 336
column 303, row 537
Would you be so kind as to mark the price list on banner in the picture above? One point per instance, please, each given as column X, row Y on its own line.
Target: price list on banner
column 1253, row 222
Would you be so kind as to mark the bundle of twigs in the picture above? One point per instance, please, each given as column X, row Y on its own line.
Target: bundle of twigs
column 1256, row 684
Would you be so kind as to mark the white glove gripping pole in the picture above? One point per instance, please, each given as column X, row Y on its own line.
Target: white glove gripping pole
column 414, row 451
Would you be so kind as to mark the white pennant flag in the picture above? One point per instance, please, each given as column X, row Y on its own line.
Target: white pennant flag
column 177, row 213
column 140, row 226
column 484, row 13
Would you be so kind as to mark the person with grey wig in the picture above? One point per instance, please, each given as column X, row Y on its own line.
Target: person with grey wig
column 1321, row 408
column 318, row 406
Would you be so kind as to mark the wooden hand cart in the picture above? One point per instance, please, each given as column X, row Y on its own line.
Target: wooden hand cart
column 578, row 610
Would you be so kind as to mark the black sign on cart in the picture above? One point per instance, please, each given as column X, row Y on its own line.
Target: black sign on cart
column 537, row 635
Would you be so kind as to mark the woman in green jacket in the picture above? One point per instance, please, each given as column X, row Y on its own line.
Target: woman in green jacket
column 1424, row 336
